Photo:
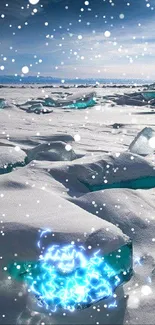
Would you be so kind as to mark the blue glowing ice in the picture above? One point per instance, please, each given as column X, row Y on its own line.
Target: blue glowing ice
column 66, row 277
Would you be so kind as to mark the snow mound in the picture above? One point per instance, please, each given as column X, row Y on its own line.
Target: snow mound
column 56, row 195
column 54, row 151
column 144, row 142
column 68, row 223
column 105, row 169
column 119, row 207
column 11, row 157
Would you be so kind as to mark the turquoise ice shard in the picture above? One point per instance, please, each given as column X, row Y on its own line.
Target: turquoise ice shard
column 11, row 158
column 82, row 104
column 121, row 261
column 149, row 94
column 2, row 103
column 78, row 100
column 75, row 101
column 143, row 183
column 144, row 142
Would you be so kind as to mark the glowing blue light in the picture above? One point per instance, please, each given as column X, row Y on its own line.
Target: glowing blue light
column 113, row 305
column 68, row 279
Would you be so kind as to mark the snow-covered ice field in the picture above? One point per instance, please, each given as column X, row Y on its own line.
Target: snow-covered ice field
column 65, row 150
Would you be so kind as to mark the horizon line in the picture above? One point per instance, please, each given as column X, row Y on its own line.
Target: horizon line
column 63, row 80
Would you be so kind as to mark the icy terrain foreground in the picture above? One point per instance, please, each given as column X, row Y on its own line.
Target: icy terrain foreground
column 53, row 168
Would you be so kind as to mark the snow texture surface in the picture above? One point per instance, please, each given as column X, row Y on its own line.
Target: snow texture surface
column 55, row 158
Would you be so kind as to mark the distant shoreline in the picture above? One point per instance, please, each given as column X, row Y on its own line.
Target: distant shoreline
column 68, row 86
column 31, row 80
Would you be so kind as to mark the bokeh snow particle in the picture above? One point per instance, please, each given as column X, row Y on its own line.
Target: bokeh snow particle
column 77, row 137
column 33, row 2
column 146, row 290
column 121, row 16
column 107, row 33
column 17, row 148
column 25, row 69
column 68, row 147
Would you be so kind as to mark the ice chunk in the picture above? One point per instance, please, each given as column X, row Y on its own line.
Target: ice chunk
column 121, row 262
column 50, row 102
column 82, row 104
column 149, row 94
column 35, row 107
column 2, row 103
column 131, row 99
column 38, row 109
column 42, row 105
column 11, row 158
column 79, row 100
column 144, row 143
column 54, row 151
column 144, row 183
column 31, row 102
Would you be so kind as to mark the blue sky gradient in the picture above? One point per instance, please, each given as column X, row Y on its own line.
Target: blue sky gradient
column 54, row 49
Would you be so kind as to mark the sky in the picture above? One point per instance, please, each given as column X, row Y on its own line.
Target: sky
column 78, row 38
